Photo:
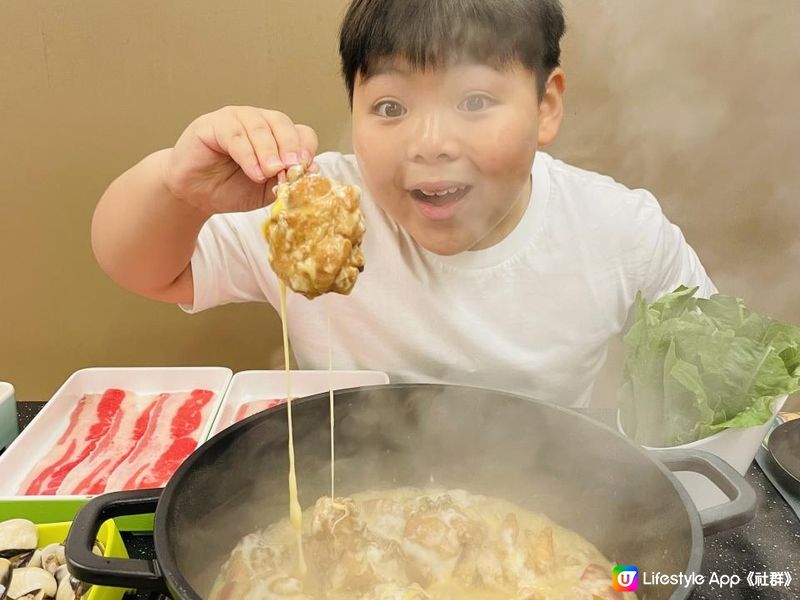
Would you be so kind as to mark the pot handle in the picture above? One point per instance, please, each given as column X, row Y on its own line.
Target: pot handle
column 116, row 572
column 742, row 506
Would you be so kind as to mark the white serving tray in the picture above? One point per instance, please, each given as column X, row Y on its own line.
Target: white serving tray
column 8, row 415
column 248, row 386
column 44, row 430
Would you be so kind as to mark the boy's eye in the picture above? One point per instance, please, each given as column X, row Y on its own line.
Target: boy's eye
column 475, row 102
column 389, row 109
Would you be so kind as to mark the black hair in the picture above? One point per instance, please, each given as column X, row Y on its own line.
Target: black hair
column 431, row 33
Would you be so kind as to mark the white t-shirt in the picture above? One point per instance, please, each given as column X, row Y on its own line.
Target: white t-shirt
column 531, row 315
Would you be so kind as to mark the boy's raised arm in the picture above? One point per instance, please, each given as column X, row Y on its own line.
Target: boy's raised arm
column 146, row 224
column 143, row 236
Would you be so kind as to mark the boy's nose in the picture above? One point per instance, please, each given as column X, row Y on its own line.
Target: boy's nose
column 432, row 141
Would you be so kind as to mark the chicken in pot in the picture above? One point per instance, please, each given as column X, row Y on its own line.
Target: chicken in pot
column 408, row 544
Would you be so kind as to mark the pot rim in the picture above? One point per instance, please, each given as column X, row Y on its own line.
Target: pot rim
column 180, row 586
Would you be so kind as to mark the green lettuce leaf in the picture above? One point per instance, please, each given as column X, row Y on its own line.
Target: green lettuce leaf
column 695, row 366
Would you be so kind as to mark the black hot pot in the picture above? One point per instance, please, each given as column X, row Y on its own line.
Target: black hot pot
column 580, row 473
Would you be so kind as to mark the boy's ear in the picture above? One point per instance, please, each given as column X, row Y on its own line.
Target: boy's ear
column 551, row 107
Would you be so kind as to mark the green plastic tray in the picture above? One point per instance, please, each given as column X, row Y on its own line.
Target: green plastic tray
column 55, row 510
column 50, row 533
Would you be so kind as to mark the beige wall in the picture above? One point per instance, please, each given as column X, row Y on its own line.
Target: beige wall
column 694, row 100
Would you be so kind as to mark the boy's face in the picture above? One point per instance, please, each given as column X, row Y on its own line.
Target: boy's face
column 447, row 153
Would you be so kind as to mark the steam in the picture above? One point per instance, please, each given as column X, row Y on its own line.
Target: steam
column 693, row 101
column 446, row 438
column 696, row 102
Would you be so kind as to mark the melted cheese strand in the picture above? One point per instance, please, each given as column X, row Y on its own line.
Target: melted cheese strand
column 330, row 392
column 295, row 512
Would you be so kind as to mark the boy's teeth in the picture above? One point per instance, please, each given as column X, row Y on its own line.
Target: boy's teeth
column 451, row 190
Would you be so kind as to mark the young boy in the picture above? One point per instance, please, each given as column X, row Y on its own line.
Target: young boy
column 488, row 262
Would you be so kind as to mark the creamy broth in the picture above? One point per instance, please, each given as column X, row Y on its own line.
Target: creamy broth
column 412, row 544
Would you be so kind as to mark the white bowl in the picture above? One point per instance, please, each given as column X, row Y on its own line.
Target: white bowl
column 736, row 446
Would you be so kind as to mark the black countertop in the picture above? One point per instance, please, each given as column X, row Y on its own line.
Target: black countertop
column 770, row 543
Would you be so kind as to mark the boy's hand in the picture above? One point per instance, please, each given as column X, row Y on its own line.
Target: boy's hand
column 229, row 160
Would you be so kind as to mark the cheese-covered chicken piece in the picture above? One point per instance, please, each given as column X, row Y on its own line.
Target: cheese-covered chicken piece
column 314, row 232
column 259, row 570
column 437, row 540
column 347, row 555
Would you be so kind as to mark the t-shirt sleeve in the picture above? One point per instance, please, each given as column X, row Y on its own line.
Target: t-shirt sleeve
column 229, row 263
column 669, row 261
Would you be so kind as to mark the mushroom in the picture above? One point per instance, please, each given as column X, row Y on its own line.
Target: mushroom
column 22, row 559
column 34, row 595
column 69, row 588
column 31, row 580
column 50, row 557
column 34, row 561
column 6, row 568
column 17, row 536
column 61, row 573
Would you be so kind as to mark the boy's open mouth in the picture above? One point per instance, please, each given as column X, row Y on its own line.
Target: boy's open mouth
column 452, row 194
column 439, row 202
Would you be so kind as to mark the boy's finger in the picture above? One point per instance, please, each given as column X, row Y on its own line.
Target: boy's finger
column 286, row 136
column 235, row 142
column 308, row 143
column 263, row 142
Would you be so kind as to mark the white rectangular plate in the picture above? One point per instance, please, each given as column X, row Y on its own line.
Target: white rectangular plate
column 249, row 386
column 44, row 430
